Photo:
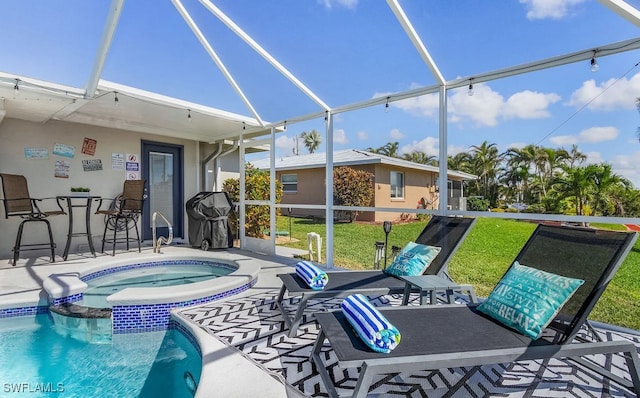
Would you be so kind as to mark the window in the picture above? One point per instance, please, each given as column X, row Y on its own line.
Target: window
column 289, row 182
column 397, row 185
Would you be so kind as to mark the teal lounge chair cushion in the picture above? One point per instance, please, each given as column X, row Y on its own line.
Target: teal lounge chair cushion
column 413, row 260
column 527, row 299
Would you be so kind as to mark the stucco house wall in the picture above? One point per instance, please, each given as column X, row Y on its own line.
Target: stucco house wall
column 311, row 190
column 15, row 135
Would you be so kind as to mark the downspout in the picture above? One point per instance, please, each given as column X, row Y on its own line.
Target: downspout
column 215, row 155
column 234, row 147
column 203, row 166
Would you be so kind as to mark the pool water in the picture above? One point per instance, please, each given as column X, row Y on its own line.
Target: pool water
column 101, row 287
column 36, row 361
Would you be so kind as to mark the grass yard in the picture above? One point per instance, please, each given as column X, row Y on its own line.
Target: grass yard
column 481, row 259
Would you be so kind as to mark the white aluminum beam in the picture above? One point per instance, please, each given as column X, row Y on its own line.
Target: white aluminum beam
column 329, row 191
column 415, row 39
column 584, row 55
column 105, row 43
column 257, row 48
column 624, row 9
column 214, row 56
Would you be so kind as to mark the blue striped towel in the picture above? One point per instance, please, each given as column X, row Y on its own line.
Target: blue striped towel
column 313, row 276
column 372, row 327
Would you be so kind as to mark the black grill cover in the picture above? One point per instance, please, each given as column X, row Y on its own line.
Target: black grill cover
column 208, row 215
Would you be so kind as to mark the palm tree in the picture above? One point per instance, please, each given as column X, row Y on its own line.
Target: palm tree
column 311, row 139
column 390, row 149
column 421, row 157
column 576, row 157
column 485, row 162
column 459, row 161
column 575, row 183
column 604, row 182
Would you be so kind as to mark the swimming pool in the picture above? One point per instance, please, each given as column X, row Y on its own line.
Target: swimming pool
column 36, row 361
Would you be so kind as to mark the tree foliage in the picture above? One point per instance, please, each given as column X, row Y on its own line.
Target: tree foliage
column 549, row 180
column 311, row 140
column 352, row 187
column 257, row 187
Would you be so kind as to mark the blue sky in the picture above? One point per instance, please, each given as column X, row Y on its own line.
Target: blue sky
column 352, row 50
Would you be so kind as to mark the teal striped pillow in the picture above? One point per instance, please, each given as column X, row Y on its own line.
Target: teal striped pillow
column 527, row 299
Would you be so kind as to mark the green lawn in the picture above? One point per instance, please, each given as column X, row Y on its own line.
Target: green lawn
column 481, row 259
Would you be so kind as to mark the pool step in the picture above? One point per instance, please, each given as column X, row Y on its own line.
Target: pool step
column 79, row 311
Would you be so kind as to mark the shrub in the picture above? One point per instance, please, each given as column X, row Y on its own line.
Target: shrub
column 257, row 188
column 476, row 203
column 538, row 208
column 352, row 187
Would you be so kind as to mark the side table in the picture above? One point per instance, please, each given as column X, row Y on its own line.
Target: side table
column 431, row 284
column 73, row 201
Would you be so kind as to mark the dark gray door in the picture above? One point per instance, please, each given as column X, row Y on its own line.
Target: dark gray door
column 163, row 169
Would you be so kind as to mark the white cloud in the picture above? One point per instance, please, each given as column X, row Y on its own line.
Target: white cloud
column 424, row 105
column 554, row 9
column 517, row 145
column 628, row 166
column 340, row 137
column 351, row 4
column 286, row 143
column 428, row 145
column 486, row 107
column 453, row 150
column 529, row 105
column 621, row 95
column 590, row 135
column 396, row 134
column 594, row 158
column 362, row 136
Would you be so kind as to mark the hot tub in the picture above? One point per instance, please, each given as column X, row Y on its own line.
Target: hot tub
column 142, row 309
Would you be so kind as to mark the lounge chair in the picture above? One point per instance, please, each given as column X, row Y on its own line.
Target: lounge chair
column 439, row 337
column 444, row 232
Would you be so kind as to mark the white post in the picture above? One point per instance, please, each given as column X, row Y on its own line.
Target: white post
column 312, row 236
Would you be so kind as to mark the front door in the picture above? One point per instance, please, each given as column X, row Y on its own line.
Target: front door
column 162, row 167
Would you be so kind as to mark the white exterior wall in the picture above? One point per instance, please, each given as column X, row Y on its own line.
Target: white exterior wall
column 15, row 135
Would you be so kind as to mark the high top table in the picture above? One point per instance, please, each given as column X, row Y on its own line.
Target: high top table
column 73, row 201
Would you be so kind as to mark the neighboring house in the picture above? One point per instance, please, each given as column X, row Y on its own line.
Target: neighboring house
column 398, row 183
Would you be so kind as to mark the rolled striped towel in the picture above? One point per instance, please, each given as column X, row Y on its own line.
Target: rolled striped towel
column 313, row 276
column 372, row 327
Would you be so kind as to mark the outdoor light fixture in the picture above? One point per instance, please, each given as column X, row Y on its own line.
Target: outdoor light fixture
column 285, row 125
column 470, row 92
column 244, row 126
column 386, row 106
column 16, row 88
column 116, row 101
column 594, row 63
column 189, row 114
column 387, row 228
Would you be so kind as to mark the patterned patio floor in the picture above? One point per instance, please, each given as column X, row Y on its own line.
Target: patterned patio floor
column 254, row 325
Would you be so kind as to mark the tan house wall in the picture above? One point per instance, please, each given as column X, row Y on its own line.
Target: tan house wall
column 15, row 135
column 311, row 190
column 417, row 185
